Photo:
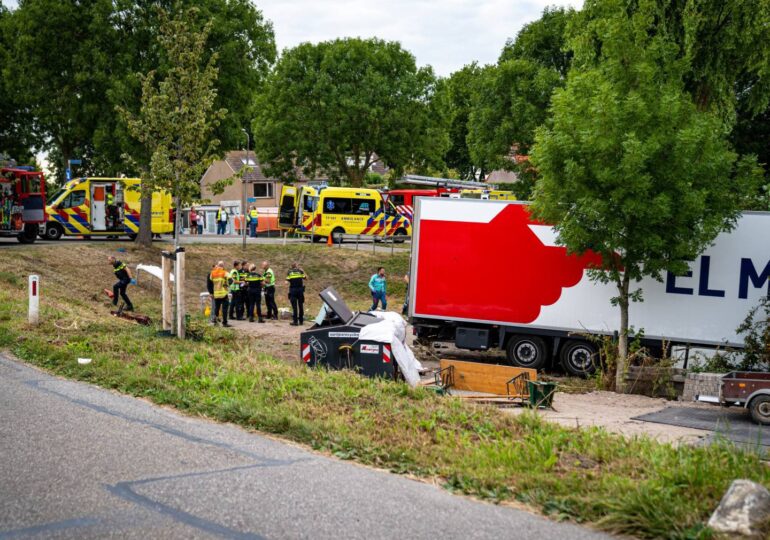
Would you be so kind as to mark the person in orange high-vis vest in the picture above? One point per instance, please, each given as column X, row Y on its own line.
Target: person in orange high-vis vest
column 221, row 282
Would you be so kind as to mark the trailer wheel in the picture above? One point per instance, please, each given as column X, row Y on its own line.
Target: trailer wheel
column 526, row 351
column 579, row 358
column 760, row 410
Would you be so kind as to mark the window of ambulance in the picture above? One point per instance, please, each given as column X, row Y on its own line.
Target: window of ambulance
column 74, row 199
column 54, row 199
column 309, row 204
column 398, row 200
column 390, row 210
column 351, row 207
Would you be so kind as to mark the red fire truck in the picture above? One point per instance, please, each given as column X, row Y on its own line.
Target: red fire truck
column 403, row 199
column 22, row 202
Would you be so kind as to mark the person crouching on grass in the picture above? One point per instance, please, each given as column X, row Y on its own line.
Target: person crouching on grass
column 377, row 286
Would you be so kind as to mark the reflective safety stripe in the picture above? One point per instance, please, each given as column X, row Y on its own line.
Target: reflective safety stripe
column 120, row 267
column 296, row 275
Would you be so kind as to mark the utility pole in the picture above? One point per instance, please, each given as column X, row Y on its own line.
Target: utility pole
column 243, row 190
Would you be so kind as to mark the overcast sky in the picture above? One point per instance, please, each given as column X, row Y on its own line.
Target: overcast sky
column 447, row 34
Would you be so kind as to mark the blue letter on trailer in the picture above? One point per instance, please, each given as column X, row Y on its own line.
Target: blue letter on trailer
column 703, row 285
column 748, row 272
column 671, row 284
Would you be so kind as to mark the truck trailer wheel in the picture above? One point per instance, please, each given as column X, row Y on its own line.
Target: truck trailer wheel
column 760, row 410
column 579, row 358
column 526, row 351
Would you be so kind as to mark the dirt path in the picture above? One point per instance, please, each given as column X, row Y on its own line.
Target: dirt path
column 614, row 412
column 277, row 338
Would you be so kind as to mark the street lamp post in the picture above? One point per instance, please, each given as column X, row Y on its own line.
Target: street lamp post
column 243, row 190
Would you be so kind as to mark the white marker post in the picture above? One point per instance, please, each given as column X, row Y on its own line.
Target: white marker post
column 34, row 299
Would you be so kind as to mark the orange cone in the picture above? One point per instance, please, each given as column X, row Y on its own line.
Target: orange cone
column 329, row 240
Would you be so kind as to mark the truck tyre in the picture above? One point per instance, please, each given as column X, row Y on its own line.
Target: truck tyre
column 132, row 236
column 53, row 231
column 579, row 358
column 337, row 235
column 526, row 351
column 400, row 236
column 760, row 409
column 29, row 234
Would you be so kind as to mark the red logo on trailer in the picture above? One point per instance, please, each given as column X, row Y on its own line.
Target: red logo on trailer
column 495, row 271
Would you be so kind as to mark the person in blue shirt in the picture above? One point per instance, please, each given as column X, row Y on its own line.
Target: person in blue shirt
column 378, row 288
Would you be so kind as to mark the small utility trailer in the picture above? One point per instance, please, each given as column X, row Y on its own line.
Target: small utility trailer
column 750, row 390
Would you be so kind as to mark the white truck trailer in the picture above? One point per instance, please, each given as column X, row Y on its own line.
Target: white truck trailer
column 485, row 275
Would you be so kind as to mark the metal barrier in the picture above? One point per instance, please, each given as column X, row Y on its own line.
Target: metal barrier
column 403, row 241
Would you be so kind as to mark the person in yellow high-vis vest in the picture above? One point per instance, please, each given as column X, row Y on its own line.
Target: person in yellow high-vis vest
column 221, row 220
column 269, row 284
column 253, row 221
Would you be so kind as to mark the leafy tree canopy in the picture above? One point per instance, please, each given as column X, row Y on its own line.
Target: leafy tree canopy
column 511, row 99
column 336, row 106
column 71, row 63
column 629, row 166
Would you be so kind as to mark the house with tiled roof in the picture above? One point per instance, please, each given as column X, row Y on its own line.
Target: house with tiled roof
column 261, row 190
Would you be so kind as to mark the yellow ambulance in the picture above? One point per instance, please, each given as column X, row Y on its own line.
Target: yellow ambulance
column 500, row 195
column 103, row 207
column 321, row 211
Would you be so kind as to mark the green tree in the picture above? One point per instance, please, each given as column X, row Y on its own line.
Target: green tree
column 336, row 106
column 15, row 124
column 511, row 99
column 460, row 87
column 57, row 68
column 240, row 37
column 178, row 116
column 629, row 166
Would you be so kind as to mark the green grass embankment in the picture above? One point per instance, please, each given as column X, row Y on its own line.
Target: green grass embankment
column 632, row 486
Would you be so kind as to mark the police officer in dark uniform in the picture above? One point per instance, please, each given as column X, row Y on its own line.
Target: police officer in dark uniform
column 296, row 279
column 123, row 273
column 254, row 281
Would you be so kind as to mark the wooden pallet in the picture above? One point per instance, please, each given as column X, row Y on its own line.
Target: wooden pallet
column 487, row 378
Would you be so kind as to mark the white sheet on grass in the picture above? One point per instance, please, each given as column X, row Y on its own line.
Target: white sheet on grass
column 392, row 329
column 152, row 270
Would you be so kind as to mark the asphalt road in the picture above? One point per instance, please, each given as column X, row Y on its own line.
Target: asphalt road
column 77, row 461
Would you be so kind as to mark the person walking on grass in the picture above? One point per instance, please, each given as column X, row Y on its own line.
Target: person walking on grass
column 296, row 280
column 123, row 273
column 377, row 286
column 221, row 281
